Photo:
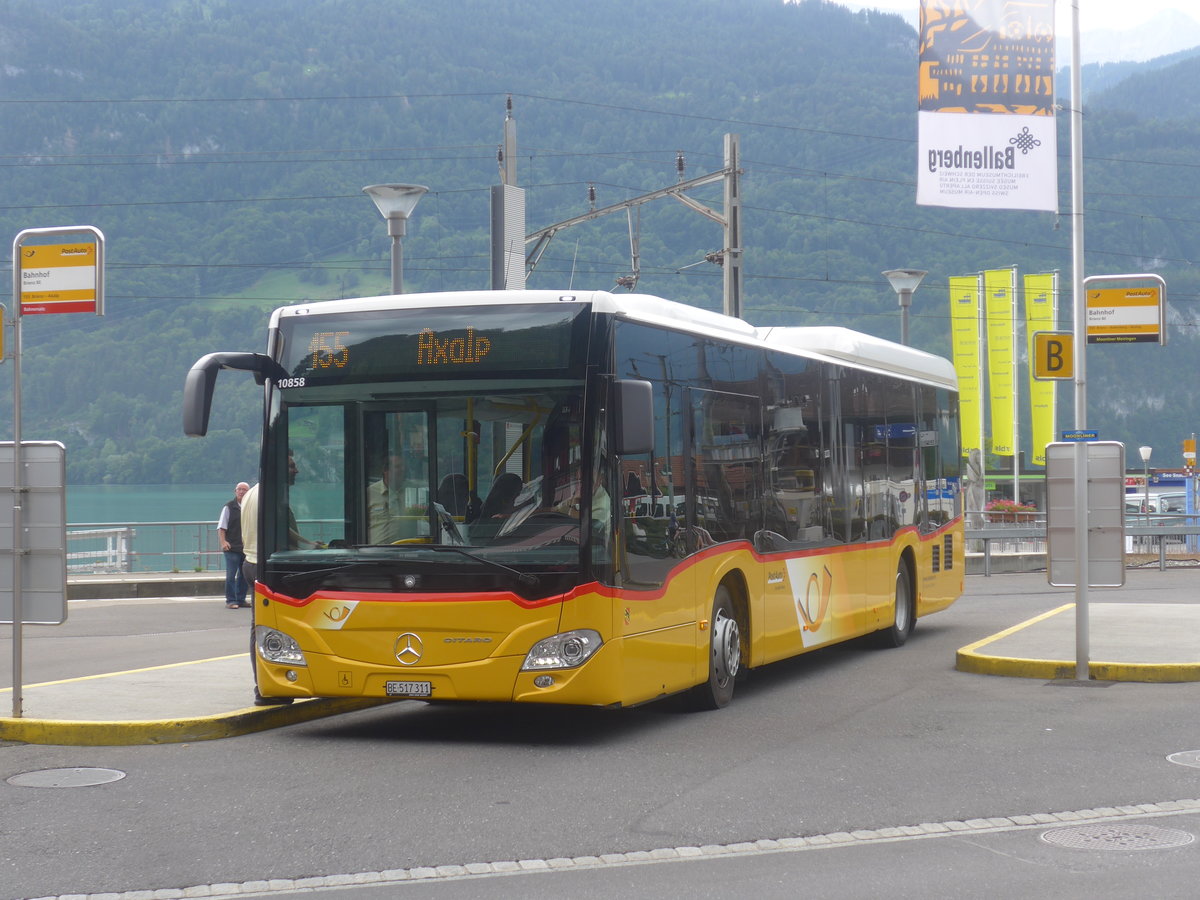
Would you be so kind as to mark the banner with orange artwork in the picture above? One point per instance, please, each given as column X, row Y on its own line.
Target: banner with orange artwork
column 986, row 134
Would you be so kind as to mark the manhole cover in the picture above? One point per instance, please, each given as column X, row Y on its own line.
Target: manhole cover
column 57, row 778
column 1117, row 836
column 1186, row 758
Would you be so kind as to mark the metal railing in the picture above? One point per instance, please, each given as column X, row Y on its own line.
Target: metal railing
column 104, row 548
column 1161, row 535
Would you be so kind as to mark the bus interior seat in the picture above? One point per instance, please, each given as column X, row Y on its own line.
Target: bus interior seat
column 499, row 501
column 454, row 493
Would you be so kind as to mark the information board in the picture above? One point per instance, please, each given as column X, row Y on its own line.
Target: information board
column 43, row 534
column 1105, row 515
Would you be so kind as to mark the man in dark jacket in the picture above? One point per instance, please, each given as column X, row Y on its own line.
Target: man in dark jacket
column 229, row 534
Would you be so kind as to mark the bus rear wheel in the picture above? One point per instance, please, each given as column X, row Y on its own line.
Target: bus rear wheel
column 724, row 655
column 905, row 606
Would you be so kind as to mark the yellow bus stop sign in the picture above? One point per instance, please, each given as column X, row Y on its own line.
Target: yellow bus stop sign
column 1053, row 354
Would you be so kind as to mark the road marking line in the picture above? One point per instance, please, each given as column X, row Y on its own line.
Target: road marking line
column 995, row 825
column 129, row 672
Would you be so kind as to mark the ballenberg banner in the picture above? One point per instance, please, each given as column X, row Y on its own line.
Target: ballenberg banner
column 985, row 126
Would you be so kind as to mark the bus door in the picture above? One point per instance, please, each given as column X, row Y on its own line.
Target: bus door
column 656, row 611
column 398, row 473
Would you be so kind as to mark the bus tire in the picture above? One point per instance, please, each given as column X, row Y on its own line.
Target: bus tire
column 905, row 607
column 724, row 655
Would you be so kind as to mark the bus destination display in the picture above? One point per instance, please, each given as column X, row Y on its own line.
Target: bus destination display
column 381, row 346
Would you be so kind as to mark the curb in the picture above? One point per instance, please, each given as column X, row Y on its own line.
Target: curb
column 971, row 659
column 1064, row 669
column 175, row 731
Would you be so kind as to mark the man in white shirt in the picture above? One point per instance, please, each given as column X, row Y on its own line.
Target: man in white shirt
column 386, row 522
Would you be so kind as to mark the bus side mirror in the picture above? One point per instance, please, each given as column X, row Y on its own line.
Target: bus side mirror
column 635, row 417
column 202, row 378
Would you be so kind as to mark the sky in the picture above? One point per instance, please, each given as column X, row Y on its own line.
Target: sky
column 1093, row 14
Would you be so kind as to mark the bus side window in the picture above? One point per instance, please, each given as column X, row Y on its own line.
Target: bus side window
column 727, row 480
column 796, row 494
column 314, row 476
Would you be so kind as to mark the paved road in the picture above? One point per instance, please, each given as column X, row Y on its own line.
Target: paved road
column 848, row 745
column 103, row 636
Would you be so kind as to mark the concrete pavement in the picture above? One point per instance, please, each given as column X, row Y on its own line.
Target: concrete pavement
column 1157, row 642
column 198, row 700
column 1146, row 631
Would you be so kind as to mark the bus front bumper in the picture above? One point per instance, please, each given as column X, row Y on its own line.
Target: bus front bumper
column 496, row 679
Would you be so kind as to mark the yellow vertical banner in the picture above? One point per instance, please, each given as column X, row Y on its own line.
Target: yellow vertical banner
column 1000, row 315
column 1041, row 309
column 964, row 339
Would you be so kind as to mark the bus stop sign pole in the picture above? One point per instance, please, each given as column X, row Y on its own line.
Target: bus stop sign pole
column 47, row 278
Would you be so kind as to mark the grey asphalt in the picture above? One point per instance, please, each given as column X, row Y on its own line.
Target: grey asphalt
column 1148, row 630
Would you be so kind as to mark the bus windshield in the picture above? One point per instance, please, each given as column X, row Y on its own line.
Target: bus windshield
column 498, row 476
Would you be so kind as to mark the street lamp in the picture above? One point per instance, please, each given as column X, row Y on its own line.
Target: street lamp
column 396, row 203
column 904, row 282
column 1145, row 454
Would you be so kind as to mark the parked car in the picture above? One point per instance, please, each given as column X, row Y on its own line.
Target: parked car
column 1175, row 502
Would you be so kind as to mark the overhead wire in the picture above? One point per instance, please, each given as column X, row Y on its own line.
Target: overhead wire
column 470, row 150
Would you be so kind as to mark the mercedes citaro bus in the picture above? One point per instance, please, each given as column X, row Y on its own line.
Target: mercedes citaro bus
column 584, row 498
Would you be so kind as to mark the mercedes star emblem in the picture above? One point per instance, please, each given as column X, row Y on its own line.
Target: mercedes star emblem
column 409, row 649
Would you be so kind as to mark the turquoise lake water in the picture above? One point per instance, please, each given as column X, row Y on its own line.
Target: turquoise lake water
column 123, row 503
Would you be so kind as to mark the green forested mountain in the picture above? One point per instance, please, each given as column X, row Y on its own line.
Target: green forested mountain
column 221, row 145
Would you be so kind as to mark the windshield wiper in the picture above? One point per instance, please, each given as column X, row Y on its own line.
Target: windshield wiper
column 523, row 577
column 313, row 573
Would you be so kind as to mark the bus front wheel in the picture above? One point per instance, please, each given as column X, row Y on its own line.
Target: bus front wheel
column 905, row 607
column 724, row 654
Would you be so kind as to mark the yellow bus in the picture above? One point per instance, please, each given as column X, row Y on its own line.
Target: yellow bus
column 584, row 498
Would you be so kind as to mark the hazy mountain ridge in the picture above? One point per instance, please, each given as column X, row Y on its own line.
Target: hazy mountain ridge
column 1165, row 34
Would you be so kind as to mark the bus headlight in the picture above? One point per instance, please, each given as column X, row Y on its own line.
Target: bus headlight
column 277, row 647
column 563, row 651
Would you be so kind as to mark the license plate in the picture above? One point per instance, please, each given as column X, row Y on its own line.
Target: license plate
column 409, row 688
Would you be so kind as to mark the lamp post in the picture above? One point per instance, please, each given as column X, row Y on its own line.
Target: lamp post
column 396, row 203
column 1145, row 452
column 904, row 282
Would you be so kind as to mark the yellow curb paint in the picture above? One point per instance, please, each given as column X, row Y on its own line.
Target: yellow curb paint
column 175, row 731
column 969, row 659
column 970, row 648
